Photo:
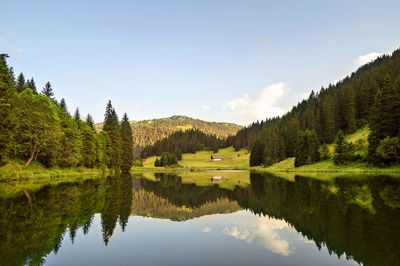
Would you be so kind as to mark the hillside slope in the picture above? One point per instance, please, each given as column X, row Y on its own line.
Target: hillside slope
column 147, row 132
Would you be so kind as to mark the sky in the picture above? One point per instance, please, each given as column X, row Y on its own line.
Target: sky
column 218, row 60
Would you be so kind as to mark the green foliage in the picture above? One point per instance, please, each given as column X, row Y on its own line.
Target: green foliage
column 138, row 163
column 37, row 125
column 344, row 106
column 344, row 151
column 325, row 154
column 385, row 117
column 307, row 148
column 48, row 91
column 127, row 144
column 35, row 128
column 189, row 141
column 257, row 153
column 147, row 132
column 7, row 95
column 112, row 127
column 166, row 159
column 388, row 150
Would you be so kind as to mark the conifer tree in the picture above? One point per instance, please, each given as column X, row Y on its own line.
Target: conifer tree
column 301, row 154
column 127, row 144
column 384, row 120
column 21, row 84
column 339, row 156
column 257, row 153
column 63, row 105
column 112, row 127
column 349, row 111
column 48, row 91
column 90, row 121
column 7, row 95
column 30, row 83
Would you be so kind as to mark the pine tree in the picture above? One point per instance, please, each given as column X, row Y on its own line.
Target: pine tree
column 313, row 144
column 21, row 84
column 63, row 105
column 32, row 85
column 48, row 91
column 301, row 154
column 164, row 160
column 112, row 127
column 7, row 96
column 339, row 156
column 328, row 122
column 127, row 144
column 257, row 153
column 90, row 121
column 77, row 115
column 349, row 110
column 384, row 120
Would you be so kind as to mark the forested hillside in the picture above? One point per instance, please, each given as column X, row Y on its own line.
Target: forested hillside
column 188, row 141
column 147, row 132
column 369, row 95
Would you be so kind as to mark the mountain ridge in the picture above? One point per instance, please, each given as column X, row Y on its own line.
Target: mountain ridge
column 146, row 132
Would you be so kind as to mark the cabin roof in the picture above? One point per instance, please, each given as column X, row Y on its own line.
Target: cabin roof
column 216, row 156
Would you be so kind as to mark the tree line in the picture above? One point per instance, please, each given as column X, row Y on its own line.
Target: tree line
column 188, row 141
column 36, row 127
column 371, row 96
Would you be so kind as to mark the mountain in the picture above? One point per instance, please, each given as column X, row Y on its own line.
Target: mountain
column 146, row 132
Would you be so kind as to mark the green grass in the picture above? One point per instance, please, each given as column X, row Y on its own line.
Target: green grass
column 327, row 166
column 231, row 159
column 358, row 138
column 17, row 170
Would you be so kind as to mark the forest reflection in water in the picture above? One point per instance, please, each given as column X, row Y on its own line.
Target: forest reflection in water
column 356, row 219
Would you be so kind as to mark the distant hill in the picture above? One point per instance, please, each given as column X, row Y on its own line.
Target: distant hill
column 146, row 132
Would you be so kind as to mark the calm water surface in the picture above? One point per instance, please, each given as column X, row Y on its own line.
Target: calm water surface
column 191, row 219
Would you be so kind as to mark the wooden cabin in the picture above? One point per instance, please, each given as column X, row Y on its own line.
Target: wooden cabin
column 216, row 157
column 216, row 179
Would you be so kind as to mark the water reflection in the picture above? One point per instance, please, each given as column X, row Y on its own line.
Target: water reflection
column 354, row 218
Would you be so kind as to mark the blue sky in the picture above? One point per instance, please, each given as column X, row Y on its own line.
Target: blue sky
column 235, row 61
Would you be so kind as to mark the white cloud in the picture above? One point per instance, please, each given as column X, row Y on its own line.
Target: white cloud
column 206, row 229
column 206, row 107
column 22, row 50
column 364, row 59
column 265, row 104
column 265, row 231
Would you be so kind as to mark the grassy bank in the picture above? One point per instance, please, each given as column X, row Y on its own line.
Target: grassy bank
column 17, row 170
column 287, row 165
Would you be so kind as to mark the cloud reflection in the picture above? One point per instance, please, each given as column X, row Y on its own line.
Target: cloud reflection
column 264, row 232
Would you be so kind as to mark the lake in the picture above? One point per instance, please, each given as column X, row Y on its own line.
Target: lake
column 204, row 218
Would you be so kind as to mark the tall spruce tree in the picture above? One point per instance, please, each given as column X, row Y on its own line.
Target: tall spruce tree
column 63, row 105
column 21, row 84
column 48, row 91
column 127, row 144
column 90, row 121
column 112, row 127
column 7, row 96
column 30, row 83
column 384, row 120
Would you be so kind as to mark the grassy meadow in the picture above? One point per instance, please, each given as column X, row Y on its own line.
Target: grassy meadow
column 201, row 160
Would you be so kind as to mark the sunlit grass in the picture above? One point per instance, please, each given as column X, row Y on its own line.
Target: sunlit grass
column 202, row 160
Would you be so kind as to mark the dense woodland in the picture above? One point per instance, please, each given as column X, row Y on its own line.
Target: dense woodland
column 371, row 96
column 147, row 132
column 188, row 141
column 34, row 126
